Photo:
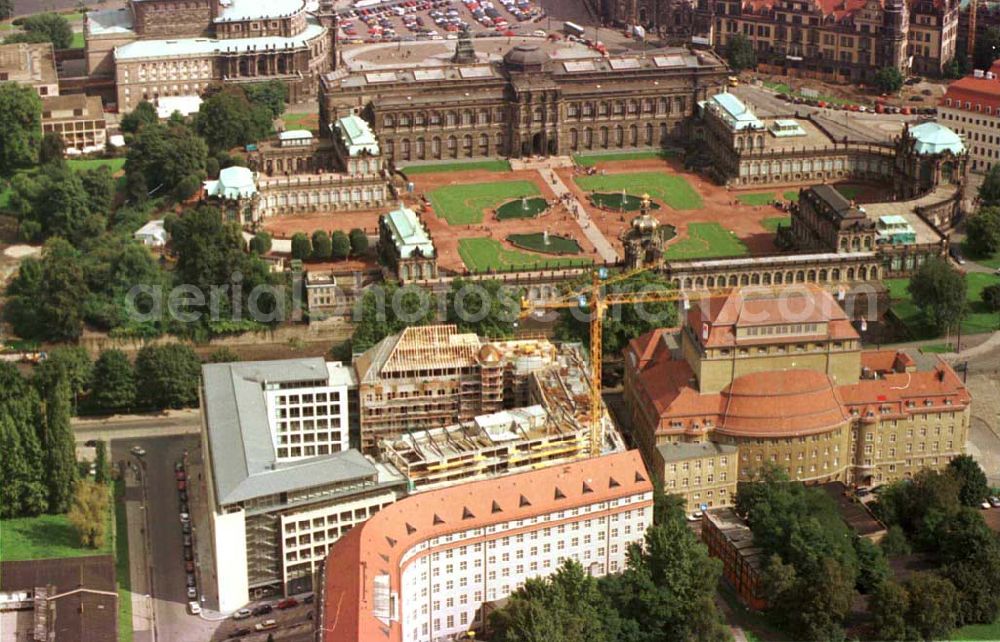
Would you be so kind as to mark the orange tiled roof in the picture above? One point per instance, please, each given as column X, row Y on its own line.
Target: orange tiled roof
column 377, row 546
column 781, row 402
column 981, row 92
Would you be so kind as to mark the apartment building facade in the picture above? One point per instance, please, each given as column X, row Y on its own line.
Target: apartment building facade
column 423, row 569
column 704, row 474
column 971, row 106
column 78, row 119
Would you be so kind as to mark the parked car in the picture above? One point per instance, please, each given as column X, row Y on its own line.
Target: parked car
column 183, row 496
column 995, row 501
column 181, row 485
column 185, row 527
column 190, row 579
column 187, row 540
column 194, row 608
column 266, row 625
column 288, row 603
column 184, row 508
column 238, row 633
column 178, row 465
column 985, row 505
column 188, row 555
column 862, row 492
column 309, row 599
column 242, row 614
column 189, row 566
column 263, row 609
column 180, row 476
column 138, row 451
column 185, row 517
column 192, row 593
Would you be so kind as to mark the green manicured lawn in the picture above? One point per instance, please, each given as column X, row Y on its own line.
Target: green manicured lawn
column 756, row 199
column 992, row 261
column 116, row 164
column 848, row 191
column 122, row 566
column 45, row 536
column 978, row 632
column 464, row 204
column 772, row 223
column 706, row 240
column 937, row 348
column 436, row 168
column 77, row 40
column 589, row 160
column 791, row 195
column 673, row 190
column 977, row 320
column 301, row 121
column 482, row 254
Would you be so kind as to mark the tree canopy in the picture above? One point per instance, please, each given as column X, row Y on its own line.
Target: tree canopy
column 113, row 386
column 387, row 310
column 621, row 322
column 167, row 376
column 272, row 95
column 143, row 114
column 983, row 232
column 162, row 157
column 228, row 119
column 989, row 189
column 740, row 53
column 44, row 27
column 44, row 300
column 889, row 80
column 59, row 201
column 20, row 126
column 489, row 308
column 939, row 290
column 23, row 489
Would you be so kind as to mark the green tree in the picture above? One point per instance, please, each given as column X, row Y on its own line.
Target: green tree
column 989, row 189
column 340, row 245
column 359, row 242
column 991, row 297
column 51, row 149
column 101, row 462
column 20, row 126
column 88, row 514
column 939, row 290
column 227, row 119
column 740, row 53
column 873, row 567
column 488, row 308
column 168, row 376
column 143, row 114
column 987, row 48
column 44, row 298
column 113, row 385
column 888, row 80
column 387, row 310
column 271, row 95
column 983, row 232
column 164, row 156
column 223, row 355
column 6, row 9
column 69, row 363
column 99, row 185
column 894, row 544
column 301, row 246
column 888, row 607
column 932, row 606
column 622, row 323
column 322, row 246
column 55, row 202
column 46, row 27
column 59, row 447
column 976, row 580
column 956, row 68
column 260, row 244
column 974, row 487
column 23, row 488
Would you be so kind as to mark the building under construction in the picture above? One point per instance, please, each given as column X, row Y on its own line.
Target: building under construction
column 553, row 429
column 429, row 377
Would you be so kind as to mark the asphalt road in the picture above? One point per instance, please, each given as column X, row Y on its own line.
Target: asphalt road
column 173, row 623
column 126, row 427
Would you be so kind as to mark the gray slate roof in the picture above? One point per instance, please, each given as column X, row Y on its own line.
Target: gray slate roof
column 244, row 463
column 680, row 452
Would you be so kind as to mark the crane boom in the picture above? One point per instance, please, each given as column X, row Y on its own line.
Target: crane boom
column 594, row 297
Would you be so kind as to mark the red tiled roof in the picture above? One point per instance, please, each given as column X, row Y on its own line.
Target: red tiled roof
column 718, row 317
column 376, row 547
column 781, row 402
column 983, row 92
column 885, row 360
column 898, row 388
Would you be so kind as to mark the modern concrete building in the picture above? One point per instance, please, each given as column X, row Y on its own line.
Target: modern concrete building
column 78, row 119
column 283, row 483
column 422, row 569
column 406, row 246
column 31, row 64
column 783, row 377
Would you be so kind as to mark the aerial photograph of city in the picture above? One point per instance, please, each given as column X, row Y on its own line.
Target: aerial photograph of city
column 499, row 320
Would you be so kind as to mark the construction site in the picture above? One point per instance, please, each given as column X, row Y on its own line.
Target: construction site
column 546, row 421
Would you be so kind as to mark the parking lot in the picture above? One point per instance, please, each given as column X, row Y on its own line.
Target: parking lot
column 412, row 20
column 284, row 619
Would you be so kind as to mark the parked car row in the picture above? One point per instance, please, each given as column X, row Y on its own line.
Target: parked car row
column 267, row 609
column 445, row 16
column 187, row 541
column 880, row 107
column 991, row 502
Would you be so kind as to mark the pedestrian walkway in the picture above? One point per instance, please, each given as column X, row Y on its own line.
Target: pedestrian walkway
column 143, row 618
column 593, row 234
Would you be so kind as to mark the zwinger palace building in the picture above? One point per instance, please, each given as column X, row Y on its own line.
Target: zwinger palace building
column 529, row 102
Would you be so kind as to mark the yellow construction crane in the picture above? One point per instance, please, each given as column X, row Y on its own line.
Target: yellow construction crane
column 596, row 300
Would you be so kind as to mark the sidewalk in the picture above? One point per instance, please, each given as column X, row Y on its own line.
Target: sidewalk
column 143, row 619
column 202, row 535
column 593, row 234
